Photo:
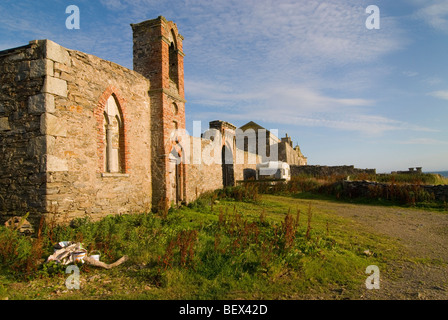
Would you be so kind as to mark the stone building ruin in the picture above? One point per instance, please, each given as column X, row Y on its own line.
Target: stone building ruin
column 80, row 135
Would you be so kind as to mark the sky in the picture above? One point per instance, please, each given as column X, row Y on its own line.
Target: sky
column 346, row 94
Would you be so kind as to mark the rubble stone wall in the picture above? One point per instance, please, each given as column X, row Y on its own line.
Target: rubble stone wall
column 80, row 184
column 23, row 100
column 51, row 109
column 322, row 171
column 362, row 188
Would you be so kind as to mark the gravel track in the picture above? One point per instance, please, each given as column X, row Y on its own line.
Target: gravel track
column 421, row 273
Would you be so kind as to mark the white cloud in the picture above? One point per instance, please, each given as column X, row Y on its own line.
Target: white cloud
column 114, row 4
column 434, row 13
column 441, row 94
column 294, row 105
column 288, row 98
column 289, row 37
column 266, row 59
column 288, row 62
column 364, row 124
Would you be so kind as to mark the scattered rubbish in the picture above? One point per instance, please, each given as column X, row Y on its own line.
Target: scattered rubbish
column 62, row 244
column 20, row 224
column 95, row 255
column 67, row 252
column 368, row 253
column 90, row 260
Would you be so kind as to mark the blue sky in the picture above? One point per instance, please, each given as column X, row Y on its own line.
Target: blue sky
column 346, row 94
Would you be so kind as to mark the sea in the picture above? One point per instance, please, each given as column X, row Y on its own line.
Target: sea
column 442, row 173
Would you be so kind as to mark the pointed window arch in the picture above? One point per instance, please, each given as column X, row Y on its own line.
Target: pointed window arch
column 173, row 59
column 113, row 137
column 112, row 140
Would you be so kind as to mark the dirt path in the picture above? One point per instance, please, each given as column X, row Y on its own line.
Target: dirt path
column 423, row 234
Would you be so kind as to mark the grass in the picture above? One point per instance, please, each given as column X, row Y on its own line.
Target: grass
column 396, row 178
column 261, row 247
column 391, row 190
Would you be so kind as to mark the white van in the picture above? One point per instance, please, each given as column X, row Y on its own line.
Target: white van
column 273, row 170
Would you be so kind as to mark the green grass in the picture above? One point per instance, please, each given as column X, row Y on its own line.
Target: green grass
column 277, row 247
column 378, row 202
column 392, row 190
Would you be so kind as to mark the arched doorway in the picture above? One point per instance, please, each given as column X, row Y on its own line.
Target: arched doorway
column 228, row 177
column 175, row 177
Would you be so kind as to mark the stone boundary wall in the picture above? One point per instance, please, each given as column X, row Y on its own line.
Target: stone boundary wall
column 325, row 171
column 440, row 191
column 361, row 188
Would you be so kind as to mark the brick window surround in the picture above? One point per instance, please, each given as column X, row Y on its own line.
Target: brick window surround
column 101, row 144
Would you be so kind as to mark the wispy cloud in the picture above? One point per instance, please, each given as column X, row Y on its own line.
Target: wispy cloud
column 424, row 141
column 410, row 74
column 288, row 38
column 364, row 124
column 288, row 98
column 288, row 62
column 266, row 38
column 441, row 94
column 295, row 105
column 285, row 61
column 433, row 13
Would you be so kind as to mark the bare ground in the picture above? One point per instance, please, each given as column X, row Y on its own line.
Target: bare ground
column 421, row 272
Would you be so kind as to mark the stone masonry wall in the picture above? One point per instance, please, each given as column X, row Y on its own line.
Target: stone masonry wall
column 208, row 174
column 247, row 169
column 22, row 101
column 78, row 183
column 323, row 171
column 288, row 154
column 362, row 188
column 158, row 54
column 202, row 175
column 51, row 127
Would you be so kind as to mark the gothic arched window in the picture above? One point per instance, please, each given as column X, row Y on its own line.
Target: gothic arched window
column 173, row 60
column 113, row 137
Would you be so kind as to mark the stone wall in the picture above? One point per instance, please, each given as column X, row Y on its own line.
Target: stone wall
column 363, row 188
column 440, row 191
column 206, row 173
column 62, row 113
column 22, row 102
column 325, row 171
column 81, row 185
column 202, row 175
column 290, row 155
column 158, row 55
column 246, row 171
column 52, row 104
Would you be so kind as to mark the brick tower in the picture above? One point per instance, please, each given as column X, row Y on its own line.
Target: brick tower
column 158, row 56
